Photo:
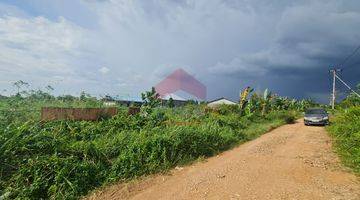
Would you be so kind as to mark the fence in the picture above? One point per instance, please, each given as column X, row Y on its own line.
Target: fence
column 90, row 114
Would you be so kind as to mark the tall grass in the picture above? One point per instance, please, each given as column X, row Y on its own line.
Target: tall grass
column 345, row 129
column 67, row 159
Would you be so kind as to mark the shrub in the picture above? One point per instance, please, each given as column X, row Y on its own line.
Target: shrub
column 65, row 160
column 345, row 129
column 290, row 119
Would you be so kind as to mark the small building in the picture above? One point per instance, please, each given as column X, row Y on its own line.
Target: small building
column 137, row 101
column 221, row 101
column 129, row 103
column 110, row 103
column 177, row 100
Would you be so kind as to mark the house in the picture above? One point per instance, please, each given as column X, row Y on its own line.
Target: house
column 130, row 102
column 109, row 103
column 221, row 101
column 125, row 101
column 177, row 100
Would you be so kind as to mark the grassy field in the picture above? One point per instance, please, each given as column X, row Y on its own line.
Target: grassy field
column 345, row 129
column 68, row 159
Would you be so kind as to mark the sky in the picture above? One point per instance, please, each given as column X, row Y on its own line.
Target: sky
column 124, row 47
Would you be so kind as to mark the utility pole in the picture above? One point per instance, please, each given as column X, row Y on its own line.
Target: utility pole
column 335, row 76
column 333, row 71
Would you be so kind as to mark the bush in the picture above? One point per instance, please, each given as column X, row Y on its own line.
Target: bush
column 290, row 119
column 345, row 129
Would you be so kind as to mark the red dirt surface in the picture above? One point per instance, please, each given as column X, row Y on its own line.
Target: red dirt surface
column 290, row 162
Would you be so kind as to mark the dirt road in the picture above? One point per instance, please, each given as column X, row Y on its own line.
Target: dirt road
column 290, row 162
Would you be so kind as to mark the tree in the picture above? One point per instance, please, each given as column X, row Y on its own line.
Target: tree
column 19, row 84
column 49, row 88
column 266, row 101
column 84, row 96
column 171, row 102
column 151, row 98
column 244, row 98
column 352, row 99
column 66, row 98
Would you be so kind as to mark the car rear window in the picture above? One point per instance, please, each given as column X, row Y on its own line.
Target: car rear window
column 315, row 111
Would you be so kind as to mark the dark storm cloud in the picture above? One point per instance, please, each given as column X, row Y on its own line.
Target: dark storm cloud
column 120, row 46
column 309, row 40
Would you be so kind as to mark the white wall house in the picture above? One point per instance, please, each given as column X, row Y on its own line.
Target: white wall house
column 222, row 101
column 109, row 103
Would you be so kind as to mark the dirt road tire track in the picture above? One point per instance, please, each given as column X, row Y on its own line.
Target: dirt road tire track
column 291, row 162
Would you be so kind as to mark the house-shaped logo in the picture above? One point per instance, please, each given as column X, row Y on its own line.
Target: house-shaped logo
column 180, row 80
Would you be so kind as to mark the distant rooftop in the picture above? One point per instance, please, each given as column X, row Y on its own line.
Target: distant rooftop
column 127, row 98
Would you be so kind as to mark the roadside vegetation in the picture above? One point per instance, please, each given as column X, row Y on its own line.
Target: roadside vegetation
column 345, row 129
column 67, row 159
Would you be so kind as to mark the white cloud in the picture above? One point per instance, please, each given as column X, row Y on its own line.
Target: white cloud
column 37, row 50
column 104, row 70
column 9, row 10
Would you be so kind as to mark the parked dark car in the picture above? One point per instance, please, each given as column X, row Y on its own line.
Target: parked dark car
column 316, row 116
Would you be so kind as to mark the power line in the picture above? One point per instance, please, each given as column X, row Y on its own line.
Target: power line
column 335, row 76
column 342, row 91
column 343, row 82
column 349, row 56
column 356, row 64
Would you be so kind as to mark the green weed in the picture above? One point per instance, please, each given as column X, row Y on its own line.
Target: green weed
column 345, row 129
